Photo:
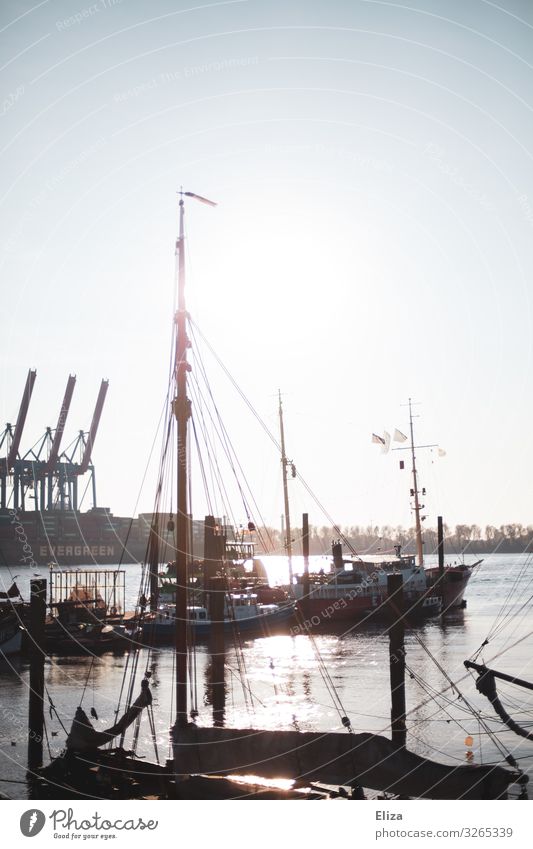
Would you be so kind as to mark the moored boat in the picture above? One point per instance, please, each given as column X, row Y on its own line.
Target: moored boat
column 243, row 613
column 356, row 591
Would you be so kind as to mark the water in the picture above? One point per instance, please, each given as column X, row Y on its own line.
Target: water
column 289, row 680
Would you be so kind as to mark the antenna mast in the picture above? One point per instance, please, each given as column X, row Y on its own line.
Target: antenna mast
column 418, row 523
column 284, row 464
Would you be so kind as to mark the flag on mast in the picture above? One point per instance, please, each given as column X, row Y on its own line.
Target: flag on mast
column 399, row 436
column 386, row 442
column 378, row 439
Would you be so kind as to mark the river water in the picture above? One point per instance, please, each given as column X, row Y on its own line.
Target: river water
column 287, row 681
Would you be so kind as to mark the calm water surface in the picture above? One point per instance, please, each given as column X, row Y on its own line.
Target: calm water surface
column 285, row 682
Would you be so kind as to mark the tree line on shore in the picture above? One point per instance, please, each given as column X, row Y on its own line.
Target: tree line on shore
column 375, row 539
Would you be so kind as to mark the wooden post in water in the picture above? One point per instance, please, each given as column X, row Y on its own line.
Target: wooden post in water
column 37, row 655
column 153, row 561
column 210, row 554
column 397, row 657
column 305, row 552
column 440, row 550
column 217, row 594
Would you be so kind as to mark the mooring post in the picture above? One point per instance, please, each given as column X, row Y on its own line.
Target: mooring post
column 217, row 595
column 440, row 550
column 397, row 657
column 37, row 655
column 305, row 552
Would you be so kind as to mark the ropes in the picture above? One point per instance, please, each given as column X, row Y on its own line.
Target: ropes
column 273, row 439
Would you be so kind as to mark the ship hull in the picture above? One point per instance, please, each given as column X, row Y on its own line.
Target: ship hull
column 10, row 644
column 454, row 585
column 30, row 538
column 263, row 624
column 322, row 612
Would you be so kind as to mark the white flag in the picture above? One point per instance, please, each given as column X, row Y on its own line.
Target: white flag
column 386, row 442
column 378, row 439
column 399, row 436
column 442, row 452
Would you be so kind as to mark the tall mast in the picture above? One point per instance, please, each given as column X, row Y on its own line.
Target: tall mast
column 182, row 413
column 418, row 524
column 284, row 464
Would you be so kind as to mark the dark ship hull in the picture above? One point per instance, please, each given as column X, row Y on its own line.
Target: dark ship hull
column 70, row 538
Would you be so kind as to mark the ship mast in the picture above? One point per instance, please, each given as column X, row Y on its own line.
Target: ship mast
column 182, row 412
column 284, row 464
column 418, row 523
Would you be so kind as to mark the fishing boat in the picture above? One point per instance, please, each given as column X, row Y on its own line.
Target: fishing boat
column 356, row 591
column 250, row 605
column 212, row 761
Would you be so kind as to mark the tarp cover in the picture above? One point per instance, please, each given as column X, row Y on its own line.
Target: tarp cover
column 83, row 735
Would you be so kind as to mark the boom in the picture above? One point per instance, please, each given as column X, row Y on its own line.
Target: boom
column 86, row 459
column 21, row 419
column 65, row 406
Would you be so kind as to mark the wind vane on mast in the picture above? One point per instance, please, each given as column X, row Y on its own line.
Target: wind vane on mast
column 198, row 197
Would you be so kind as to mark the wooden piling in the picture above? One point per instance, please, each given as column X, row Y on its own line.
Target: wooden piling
column 397, row 657
column 216, row 597
column 37, row 655
column 440, row 550
column 305, row 552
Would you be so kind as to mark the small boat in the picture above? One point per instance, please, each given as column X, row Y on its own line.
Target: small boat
column 243, row 613
column 86, row 638
column 86, row 612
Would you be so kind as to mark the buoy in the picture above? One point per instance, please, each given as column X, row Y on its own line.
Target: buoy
column 469, row 741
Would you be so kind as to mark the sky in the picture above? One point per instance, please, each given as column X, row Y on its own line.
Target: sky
column 373, row 169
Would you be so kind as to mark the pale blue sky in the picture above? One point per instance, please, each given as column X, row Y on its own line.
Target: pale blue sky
column 373, row 166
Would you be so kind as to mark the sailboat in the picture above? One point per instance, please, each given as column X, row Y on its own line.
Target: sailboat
column 216, row 762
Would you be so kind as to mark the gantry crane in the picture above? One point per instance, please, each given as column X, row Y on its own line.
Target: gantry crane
column 44, row 475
